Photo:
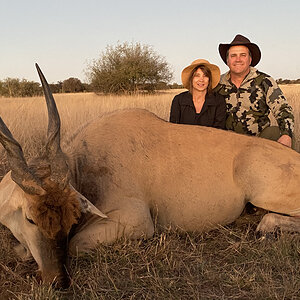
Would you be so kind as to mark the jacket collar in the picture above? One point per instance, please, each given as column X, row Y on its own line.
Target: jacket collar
column 209, row 100
column 225, row 78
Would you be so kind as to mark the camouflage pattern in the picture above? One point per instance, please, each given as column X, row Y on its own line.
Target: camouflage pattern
column 249, row 105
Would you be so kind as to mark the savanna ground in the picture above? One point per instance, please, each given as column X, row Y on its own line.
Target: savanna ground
column 228, row 263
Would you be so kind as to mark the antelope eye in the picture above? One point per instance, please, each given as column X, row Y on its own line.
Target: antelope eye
column 30, row 221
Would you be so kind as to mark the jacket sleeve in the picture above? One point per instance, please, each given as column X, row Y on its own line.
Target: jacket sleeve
column 175, row 110
column 220, row 117
column 280, row 107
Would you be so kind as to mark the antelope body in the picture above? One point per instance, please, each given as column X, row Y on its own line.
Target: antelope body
column 125, row 170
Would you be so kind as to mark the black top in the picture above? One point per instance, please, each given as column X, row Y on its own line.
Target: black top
column 212, row 114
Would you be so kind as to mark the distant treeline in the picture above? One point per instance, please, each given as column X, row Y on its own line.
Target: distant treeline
column 14, row 87
column 288, row 81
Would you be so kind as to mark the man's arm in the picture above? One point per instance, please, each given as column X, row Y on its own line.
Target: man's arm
column 281, row 110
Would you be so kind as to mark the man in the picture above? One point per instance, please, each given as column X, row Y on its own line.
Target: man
column 251, row 95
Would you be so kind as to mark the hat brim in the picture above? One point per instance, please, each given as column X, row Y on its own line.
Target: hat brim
column 254, row 49
column 186, row 74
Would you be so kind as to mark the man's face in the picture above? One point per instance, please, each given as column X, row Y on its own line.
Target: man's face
column 239, row 60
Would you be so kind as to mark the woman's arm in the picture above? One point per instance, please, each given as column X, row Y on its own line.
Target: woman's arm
column 220, row 117
column 175, row 110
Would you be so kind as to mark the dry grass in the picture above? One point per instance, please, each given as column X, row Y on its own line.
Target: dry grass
column 27, row 117
column 292, row 93
column 229, row 263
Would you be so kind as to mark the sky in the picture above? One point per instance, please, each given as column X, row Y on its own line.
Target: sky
column 65, row 36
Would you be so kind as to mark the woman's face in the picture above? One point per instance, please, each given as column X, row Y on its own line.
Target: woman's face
column 200, row 81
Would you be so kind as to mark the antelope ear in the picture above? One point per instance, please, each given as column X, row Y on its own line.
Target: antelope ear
column 86, row 206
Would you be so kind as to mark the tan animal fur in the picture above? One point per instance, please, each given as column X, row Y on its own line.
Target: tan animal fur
column 194, row 178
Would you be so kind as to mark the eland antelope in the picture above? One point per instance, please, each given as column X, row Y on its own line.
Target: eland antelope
column 126, row 169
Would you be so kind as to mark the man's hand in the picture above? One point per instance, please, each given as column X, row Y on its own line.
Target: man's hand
column 285, row 140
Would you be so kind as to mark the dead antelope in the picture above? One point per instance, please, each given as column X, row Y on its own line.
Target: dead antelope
column 128, row 168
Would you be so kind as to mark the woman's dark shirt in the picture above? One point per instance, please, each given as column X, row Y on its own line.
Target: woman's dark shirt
column 213, row 112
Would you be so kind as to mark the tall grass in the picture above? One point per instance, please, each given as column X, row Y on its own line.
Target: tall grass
column 229, row 263
column 27, row 117
column 292, row 93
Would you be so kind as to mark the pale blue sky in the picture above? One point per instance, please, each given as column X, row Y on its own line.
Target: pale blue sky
column 64, row 35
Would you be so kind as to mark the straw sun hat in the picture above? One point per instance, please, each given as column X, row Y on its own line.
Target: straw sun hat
column 186, row 73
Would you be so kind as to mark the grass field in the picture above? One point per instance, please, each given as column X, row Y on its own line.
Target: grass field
column 228, row 263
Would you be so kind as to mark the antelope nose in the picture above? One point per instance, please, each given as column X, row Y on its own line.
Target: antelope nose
column 61, row 281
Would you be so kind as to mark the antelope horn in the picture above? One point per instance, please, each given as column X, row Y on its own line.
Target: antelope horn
column 53, row 149
column 20, row 172
column 53, row 134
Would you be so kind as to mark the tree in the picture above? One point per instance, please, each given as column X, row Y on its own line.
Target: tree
column 10, row 87
column 128, row 67
column 72, row 85
column 14, row 87
column 30, row 88
column 56, row 87
column 176, row 86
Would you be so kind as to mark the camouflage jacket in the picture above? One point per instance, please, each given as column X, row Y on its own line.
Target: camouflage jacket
column 249, row 105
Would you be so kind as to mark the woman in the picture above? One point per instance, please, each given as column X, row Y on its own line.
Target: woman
column 199, row 105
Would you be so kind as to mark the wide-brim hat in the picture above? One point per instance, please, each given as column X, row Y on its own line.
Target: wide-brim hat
column 241, row 40
column 186, row 72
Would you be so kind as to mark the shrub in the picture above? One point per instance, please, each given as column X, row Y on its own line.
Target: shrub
column 72, row 85
column 128, row 67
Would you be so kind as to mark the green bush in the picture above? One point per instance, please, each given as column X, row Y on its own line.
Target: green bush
column 14, row 87
column 128, row 67
column 72, row 85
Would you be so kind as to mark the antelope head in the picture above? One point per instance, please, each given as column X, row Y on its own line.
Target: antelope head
column 37, row 202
